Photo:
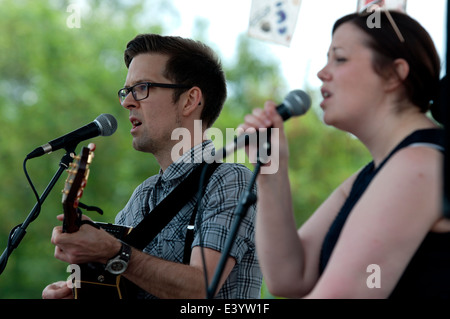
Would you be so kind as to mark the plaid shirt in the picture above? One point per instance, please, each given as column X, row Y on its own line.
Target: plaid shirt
column 216, row 211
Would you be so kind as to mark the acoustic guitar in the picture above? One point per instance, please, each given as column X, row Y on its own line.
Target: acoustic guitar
column 92, row 280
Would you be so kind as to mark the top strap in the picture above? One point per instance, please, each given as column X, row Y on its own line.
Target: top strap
column 428, row 137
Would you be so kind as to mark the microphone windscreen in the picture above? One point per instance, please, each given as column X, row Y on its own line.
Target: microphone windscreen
column 107, row 124
column 298, row 102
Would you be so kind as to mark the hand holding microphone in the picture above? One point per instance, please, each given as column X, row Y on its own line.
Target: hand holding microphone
column 296, row 103
column 270, row 143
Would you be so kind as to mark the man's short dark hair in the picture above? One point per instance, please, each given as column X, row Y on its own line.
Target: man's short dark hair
column 189, row 62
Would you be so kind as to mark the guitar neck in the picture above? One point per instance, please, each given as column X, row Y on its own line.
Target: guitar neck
column 73, row 190
column 71, row 222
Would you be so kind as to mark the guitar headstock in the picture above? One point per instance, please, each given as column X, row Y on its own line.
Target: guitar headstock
column 78, row 174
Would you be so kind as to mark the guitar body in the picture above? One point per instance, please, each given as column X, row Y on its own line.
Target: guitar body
column 92, row 280
column 96, row 282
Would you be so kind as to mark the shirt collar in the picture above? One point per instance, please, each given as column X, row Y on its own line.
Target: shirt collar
column 196, row 155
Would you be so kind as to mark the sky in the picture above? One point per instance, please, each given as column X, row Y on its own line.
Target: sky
column 306, row 54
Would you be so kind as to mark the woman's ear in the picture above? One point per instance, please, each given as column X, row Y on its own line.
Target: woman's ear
column 193, row 101
column 401, row 68
column 400, row 71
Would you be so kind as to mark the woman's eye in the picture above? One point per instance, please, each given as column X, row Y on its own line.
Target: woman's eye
column 341, row 60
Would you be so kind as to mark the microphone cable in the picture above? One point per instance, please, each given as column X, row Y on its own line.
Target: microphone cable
column 10, row 246
column 38, row 200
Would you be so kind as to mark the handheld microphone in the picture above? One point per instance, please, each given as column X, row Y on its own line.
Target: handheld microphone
column 296, row 103
column 104, row 125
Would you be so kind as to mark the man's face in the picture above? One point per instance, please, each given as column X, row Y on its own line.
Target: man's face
column 153, row 119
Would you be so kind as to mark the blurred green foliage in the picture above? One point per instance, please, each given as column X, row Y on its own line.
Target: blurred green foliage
column 54, row 78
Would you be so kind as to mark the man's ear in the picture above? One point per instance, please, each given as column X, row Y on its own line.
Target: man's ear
column 400, row 72
column 192, row 101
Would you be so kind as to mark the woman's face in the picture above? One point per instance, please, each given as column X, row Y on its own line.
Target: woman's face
column 351, row 89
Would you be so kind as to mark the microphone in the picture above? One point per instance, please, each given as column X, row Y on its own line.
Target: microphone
column 296, row 103
column 104, row 125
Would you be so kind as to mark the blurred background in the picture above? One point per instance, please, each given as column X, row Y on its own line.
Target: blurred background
column 58, row 73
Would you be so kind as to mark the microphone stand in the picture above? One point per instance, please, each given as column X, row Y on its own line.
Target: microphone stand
column 19, row 232
column 247, row 199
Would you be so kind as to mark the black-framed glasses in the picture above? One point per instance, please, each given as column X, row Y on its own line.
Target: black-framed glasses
column 141, row 90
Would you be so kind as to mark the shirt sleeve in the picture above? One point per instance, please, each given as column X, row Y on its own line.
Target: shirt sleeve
column 218, row 209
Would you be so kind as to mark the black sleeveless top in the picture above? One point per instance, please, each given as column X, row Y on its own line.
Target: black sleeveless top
column 428, row 273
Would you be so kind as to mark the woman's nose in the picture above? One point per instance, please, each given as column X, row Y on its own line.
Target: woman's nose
column 324, row 74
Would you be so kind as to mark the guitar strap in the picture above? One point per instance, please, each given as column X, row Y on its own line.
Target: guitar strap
column 163, row 213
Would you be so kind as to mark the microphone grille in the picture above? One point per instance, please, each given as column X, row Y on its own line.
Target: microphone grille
column 298, row 102
column 107, row 124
